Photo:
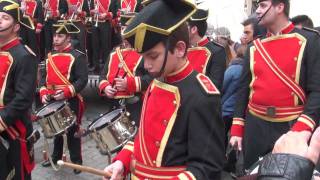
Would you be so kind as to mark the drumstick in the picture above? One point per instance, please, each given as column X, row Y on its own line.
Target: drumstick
column 85, row 169
column 119, row 67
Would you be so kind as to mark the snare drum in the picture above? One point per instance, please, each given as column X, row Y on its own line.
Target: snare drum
column 55, row 118
column 112, row 130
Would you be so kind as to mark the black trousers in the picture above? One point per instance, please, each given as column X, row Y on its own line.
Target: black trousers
column 260, row 137
column 74, row 143
column 29, row 38
column 101, row 43
column 11, row 161
column 80, row 37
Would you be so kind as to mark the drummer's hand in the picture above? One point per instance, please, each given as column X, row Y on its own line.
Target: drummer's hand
column 45, row 99
column 110, row 91
column 297, row 143
column 116, row 169
column 121, row 84
column 59, row 95
column 236, row 142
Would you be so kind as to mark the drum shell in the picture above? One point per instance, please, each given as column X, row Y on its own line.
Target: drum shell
column 112, row 136
column 58, row 121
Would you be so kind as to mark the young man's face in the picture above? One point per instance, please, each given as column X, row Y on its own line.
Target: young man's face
column 247, row 35
column 7, row 25
column 269, row 17
column 154, row 58
column 60, row 40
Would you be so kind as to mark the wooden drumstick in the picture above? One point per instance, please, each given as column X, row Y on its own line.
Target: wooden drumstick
column 85, row 169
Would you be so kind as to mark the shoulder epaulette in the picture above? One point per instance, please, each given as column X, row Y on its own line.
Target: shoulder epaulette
column 30, row 50
column 207, row 84
column 311, row 30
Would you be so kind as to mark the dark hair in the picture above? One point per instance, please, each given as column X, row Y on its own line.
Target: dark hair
column 249, row 21
column 304, row 20
column 180, row 34
column 286, row 5
column 202, row 26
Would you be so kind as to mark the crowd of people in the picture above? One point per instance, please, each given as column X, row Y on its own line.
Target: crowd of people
column 197, row 100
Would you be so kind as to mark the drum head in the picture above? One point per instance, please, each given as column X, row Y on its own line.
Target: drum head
column 105, row 119
column 50, row 108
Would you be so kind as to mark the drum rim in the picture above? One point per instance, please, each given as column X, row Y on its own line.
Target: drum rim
column 106, row 124
column 49, row 114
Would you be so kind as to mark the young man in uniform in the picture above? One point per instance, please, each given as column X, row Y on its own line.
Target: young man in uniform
column 124, row 76
column 53, row 10
column 279, row 87
column 205, row 56
column 181, row 133
column 18, row 66
column 65, row 76
column 102, row 11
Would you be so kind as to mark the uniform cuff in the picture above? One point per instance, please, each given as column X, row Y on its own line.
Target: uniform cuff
column 304, row 123
column 237, row 128
column 102, row 85
column 186, row 175
column 43, row 91
column 125, row 156
column 134, row 84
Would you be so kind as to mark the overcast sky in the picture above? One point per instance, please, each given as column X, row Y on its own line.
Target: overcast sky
column 231, row 13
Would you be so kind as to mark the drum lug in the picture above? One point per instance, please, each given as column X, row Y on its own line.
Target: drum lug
column 127, row 114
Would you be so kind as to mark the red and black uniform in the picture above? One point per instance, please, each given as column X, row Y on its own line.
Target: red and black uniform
column 78, row 20
column 67, row 71
column 137, row 77
column 279, row 90
column 178, row 116
column 123, row 7
column 55, row 8
column 102, row 33
column 17, row 83
column 209, row 58
column 35, row 12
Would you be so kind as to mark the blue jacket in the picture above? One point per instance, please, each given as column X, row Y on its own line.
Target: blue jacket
column 230, row 86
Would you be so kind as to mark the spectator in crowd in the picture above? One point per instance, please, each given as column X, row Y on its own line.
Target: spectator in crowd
column 301, row 21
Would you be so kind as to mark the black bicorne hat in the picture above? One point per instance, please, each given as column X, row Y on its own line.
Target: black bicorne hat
column 155, row 22
column 65, row 27
column 200, row 15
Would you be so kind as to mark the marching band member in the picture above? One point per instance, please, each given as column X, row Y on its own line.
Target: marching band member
column 77, row 11
column 103, row 12
column 32, row 10
column 65, row 76
column 206, row 56
column 18, row 66
column 279, row 86
column 124, row 76
column 53, row 9
column 181, row 133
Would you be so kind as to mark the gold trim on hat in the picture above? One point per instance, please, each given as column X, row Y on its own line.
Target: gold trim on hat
column 140, row 30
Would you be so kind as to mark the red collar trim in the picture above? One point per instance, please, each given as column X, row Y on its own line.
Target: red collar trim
column 285, row 30
column 203, row 41
column 184, row 72
column 10, row 44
